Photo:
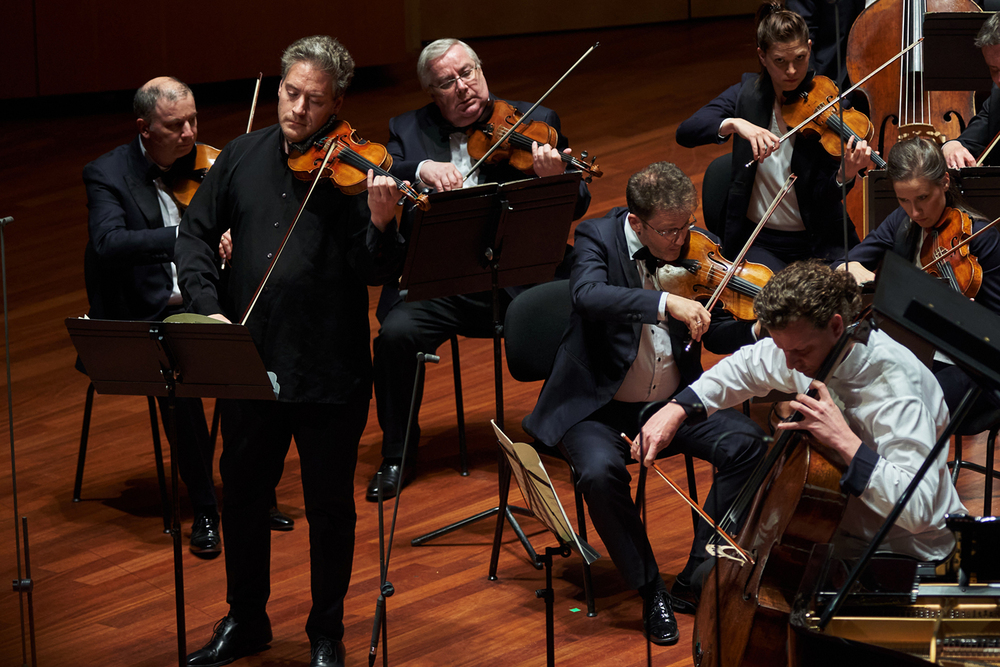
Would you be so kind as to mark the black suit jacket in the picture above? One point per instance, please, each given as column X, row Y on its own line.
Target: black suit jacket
column 816, row 188
column 982, row 128
column 610, row 307
column 129, row 252
column 416, row 136
column 423, row 134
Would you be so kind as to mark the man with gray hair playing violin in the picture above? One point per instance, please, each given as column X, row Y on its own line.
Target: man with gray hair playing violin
column 431, row 145
column 310, row 325
column 626, row 347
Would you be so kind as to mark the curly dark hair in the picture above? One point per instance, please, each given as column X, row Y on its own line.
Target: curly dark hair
column 807, row 290
column 660, row 188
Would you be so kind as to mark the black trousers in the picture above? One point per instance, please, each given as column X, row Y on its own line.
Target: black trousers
column 194, row 451
column 420, row 326
column 256, row 436
column 600, row 458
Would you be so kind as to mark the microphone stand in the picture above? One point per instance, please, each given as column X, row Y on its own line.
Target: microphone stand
column 23, row 585
column 386, row 590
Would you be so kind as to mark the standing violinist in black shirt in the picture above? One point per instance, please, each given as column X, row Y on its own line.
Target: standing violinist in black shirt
column 310, row 326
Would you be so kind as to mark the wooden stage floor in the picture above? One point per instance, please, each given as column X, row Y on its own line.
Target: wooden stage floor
column 103, row 567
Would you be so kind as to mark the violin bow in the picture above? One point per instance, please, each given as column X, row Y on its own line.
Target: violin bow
column 785, row 189
column 844, row 94
column 298, row 214
column 979, row 162
column 527, row 113
column 704, row 515
column 957, row 247
column 253, row 107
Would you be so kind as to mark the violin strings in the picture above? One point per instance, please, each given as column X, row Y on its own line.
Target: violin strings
column 361, row 163
column 519, row 140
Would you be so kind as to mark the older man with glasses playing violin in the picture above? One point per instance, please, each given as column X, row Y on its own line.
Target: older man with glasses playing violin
column 430, row 145
column 626, row 347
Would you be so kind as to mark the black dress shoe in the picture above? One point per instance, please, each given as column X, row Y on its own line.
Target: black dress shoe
column 658, row 619
column 326, row 653
column 390, row 480
column 205, row 540
column 683, row 599
column 281, row 521
column 231, row 640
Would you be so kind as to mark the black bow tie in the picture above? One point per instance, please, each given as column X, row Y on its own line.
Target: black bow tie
column 446, row 130
column 652, row 263
column 153, row 173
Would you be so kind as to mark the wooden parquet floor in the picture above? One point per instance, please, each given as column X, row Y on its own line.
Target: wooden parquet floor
column 103, row 567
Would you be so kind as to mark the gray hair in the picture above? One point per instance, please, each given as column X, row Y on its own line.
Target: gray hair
column 324, row 53
column 660, row 188
column 989, row 34
column 435, row 50
column 144, row 102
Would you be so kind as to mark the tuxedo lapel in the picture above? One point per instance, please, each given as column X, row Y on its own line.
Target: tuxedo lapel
column 142, row 191
column 625, row 262
column 436, row 146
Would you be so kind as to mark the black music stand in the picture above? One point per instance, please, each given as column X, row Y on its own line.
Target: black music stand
column 960, row 328
column 494, row 236
column 951, row 60
column 980, row 188
column 537, row 489
column 171, row 360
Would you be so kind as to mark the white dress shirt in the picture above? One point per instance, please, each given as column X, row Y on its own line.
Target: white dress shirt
column 894, row 404
column 654, row 375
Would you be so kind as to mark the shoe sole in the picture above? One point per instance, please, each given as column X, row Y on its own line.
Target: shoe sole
column 664, row 642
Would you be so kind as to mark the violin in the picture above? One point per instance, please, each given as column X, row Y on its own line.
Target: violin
column 959, row 268
column 515, row 147
column 186, row 183
column 701, row 268
column 350, row 158
column 828, row 124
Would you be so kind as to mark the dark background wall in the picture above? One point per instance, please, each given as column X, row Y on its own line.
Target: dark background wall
column 62, row 47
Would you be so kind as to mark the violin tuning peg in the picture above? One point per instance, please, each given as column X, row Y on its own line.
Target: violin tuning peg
column 583, row 155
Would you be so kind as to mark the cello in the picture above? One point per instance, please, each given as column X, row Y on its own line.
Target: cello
column 792, row 501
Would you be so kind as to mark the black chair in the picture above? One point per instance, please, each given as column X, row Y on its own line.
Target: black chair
column 96, row 298
column 987, row 421
column 533, row 329
column 157, row 452
column 715, row 192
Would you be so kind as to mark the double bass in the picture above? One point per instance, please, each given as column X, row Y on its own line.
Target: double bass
column 792, row 501
column 900, row 105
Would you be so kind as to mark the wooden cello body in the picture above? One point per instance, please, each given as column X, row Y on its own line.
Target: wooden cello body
column 798, row 506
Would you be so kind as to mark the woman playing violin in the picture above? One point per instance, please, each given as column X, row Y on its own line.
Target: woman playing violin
column 809, row 222
column 927, row 200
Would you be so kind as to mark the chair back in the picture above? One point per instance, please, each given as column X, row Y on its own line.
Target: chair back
column 715, row 192
column 533, row 328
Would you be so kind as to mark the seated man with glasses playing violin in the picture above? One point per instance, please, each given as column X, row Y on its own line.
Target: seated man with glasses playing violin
column 430, row 145
column 627, row 346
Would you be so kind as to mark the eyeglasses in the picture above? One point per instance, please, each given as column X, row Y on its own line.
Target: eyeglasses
column 671, row 234
column 465, row 76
